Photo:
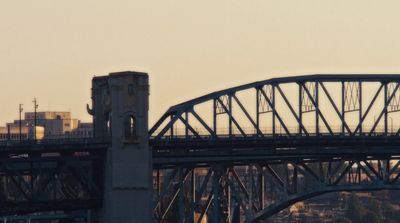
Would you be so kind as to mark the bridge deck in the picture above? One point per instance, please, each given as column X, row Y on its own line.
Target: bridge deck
column 71, row 158
column 205, row 150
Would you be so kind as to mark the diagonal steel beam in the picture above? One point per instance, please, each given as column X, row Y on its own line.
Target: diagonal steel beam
column 275, row 112
column 335, row 171
column 247, row 115
column 366, row 171
column 278, row 179
column 387, row 101
column 165, row 188
column 377, row 174
column 81, row 173
column 194, row 132
column 207, row 206
column 237, row 198
column 233, row 119
column 240, row 183
column 308, row 170
column 317, row 109
column 202, row 122
column 369, row 108
column 19, row 187
column 199, row 195
column 343, row 173
column 171, row 123
column 182, row 179
column 394, row 168
column 335, row 107
column 47, row 181
column 158, row 123
column 291, row 109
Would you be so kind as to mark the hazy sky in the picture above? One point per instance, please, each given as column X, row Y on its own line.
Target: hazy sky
column 50, row 49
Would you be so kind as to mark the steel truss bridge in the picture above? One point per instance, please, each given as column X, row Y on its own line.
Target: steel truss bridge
column 246, row 152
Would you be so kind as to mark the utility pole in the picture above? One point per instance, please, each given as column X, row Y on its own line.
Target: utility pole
column 21, row 109
column 34, row 125
column 8, row 132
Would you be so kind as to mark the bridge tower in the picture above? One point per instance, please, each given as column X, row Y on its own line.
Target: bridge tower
column 120, row 112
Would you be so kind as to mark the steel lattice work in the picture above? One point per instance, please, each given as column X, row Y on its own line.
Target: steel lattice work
column 291, row 138
column 50, row 177
column 246, row 152
column 341, row 104
column 262, row 189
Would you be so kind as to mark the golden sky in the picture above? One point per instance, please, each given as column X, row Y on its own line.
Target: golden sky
column 50, row 49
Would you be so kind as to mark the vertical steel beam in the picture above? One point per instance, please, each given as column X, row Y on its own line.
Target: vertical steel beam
column 334, row 106
column 273, row 111
column 193, row 189
column 159, row 191
column 258, row 131
column 181, row 195
column 229, row 203
column 172, row 126
column 257, row 111
column 343, row 108
column 186, row 125
column 215, row 186
column 286, row 181
column 291, row 109
column 360, row 106
column 215, row 116
column 317, row 112
column 230, row 115
column 203, row 123
column 261, row 183
column 385, row 109
column 189, row 127
column 300, row 108
column 387, row 171
column 229, row 198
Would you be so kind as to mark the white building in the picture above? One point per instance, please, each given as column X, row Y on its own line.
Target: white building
column 49, row 124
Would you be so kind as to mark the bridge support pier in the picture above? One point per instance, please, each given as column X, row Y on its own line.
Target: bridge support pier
column 120, row 111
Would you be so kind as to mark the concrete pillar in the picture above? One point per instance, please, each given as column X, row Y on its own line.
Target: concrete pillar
column 128, row 167
column 101, row 107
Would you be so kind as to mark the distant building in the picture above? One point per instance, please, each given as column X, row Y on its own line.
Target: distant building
column 13, row 133
column 49, row 124
column 84, row 129
column 54, row 123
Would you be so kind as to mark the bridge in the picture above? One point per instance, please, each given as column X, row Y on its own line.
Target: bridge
column 244, row 153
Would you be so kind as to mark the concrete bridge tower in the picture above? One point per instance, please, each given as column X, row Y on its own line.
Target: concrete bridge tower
column 120, row 112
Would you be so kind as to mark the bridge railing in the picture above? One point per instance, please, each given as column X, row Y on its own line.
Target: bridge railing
column 56, row 139
column 223, row 133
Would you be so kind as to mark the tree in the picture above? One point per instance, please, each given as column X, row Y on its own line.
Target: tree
column 374, row 211
column 372, row 217
column 356, row 210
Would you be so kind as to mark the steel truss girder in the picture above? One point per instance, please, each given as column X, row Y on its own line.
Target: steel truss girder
column 38, row 185
column 311, row 97
column 222, row 188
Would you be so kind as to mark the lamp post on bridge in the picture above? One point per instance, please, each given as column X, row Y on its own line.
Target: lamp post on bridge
column 391, row 125
column 35, row 106
column 21, row 109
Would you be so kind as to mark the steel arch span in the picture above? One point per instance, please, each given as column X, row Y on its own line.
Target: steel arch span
column 292, row 106
column 292, row 138
column 259, row 190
